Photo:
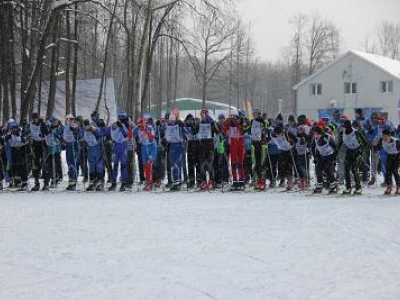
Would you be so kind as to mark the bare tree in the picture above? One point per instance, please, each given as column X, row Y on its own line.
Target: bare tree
column 388, row 39
column 322, row 42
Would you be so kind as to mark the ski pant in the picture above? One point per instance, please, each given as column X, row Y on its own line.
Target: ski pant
column 52, row 166
column 2, row 165
column 120, row 158
column 221, row 167
column 352, row 163
column 237, row 158
column 159, row 164
column 130, row 166
column 374, row 163
column 193, row 152
column 206, row 159
column 257, row 159
column 383, row 156
column 83, row 161
column 175, row 161
column 149, row 155
column 340, row 160
column 365, row 164
column 303, row 166
column 272, row 166
column 140, row 162
column 38, row 150
column 108, row 157
column 392, row 169
column 19, row 156
column 96, row 162
column 72, row 154
column 286, row 164
column 325, row 164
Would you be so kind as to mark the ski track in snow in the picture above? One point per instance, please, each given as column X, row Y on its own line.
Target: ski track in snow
column 199, row 246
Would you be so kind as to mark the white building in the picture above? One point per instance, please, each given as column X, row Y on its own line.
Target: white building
column 354, row 80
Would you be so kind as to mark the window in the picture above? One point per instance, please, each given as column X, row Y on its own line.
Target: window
column 350, row 87
column 315, row 89
column 386, row 86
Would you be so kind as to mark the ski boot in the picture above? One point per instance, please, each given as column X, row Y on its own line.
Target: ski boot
column 46, row 187
column 113, row 187
column 372, row 182
column 282, row 183
column 317, row 190
column 157, row 184
column 175, row 186
column 122, row 187
column 24, row 186
column 272, row 184
column 1, row 185
column 290, row 185
column 148, row 187
column 210, row 185
column 347, row 191
column 36, row 187
column 203, row 185
column 91, row 187
column 71, row 186
column 397, row 189
column 388, row 190
column 357, row 191
column 99, row 186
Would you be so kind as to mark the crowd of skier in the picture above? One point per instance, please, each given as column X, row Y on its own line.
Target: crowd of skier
column 199, row 153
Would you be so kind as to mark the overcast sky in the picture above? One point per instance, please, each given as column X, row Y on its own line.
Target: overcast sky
column 355, row 18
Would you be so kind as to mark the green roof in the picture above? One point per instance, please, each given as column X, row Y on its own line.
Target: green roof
column 195, row 104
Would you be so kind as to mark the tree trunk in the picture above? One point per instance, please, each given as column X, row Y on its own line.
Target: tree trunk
column 53, row 70
column 106, row 56
column 75, row 72
column 68, row 66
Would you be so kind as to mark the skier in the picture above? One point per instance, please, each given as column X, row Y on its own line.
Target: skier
column 323, row 149
column 373, row 136
column 148, row 150
column 93, row 137
column 192, row 151
column 234, row 130
column 302, row 155
column 118, row 132
column 355, row 143
column 257, row 130
column 391, row 145
column 38, row 149
column 205, row 134
column 285, row 142
column 71, row 136
column 174, row 134
column 18, row 143
column 52, row 132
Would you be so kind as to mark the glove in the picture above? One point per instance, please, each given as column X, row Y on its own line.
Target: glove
column 118, row 123
column 86, row 122
column 16, row 131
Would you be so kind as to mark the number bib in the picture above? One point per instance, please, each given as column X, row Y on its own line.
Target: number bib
column 204, row 131
column 256, row 131
column 172, row 134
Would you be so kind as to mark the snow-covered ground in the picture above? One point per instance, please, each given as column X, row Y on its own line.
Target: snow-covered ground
column 198, row 246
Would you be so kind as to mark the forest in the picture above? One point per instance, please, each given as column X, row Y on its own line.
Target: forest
column 157, row 51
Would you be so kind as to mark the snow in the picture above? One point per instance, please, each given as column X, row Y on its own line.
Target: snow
column 198, row 246
column 385, row 63
column 59, row 3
